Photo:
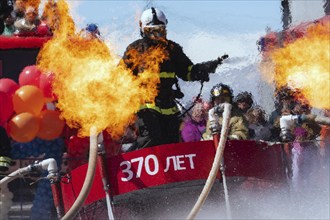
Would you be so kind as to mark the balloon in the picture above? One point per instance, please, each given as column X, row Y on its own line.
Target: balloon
column 30, row 75
column 8, row 86
column 51, row 126
column 6, row 109
column 23, row 127
column 45, row 84
column 28, row 99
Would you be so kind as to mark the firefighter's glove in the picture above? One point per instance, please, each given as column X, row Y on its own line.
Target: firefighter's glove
column 218, row 110
column 177, row 94
column 215, row 127
column 222, row 58
column 286, row 136
column 203, row 76
column 234, row 137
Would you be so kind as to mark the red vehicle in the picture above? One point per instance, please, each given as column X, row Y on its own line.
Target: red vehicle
column 128, row 179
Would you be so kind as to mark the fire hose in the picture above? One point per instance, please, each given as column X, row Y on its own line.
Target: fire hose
column 88, row 179
column 216, row 163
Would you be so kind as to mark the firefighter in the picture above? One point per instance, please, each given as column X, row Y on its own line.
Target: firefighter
column 244, row 101
column 158, row 122
column 284, row 103
column 238, row 126
column 92, row 31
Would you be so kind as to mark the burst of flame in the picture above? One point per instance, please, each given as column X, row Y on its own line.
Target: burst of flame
column 50, row 14
column 33, row 3
column 92, row 89
column 305, row 64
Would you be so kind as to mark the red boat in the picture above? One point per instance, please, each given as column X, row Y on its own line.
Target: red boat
column 129, row 181
column 154, row 169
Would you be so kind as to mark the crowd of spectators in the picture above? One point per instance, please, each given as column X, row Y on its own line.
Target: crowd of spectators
column 17, row 18
column 249, row 120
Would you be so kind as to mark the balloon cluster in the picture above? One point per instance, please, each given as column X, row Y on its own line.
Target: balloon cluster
column 43, row 201
column 25, row 114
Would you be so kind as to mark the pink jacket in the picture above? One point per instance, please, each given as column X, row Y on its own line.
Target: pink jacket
column 192, row 131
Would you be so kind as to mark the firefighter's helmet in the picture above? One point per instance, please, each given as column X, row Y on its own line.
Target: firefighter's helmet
column 221, row 90
column 153, row 22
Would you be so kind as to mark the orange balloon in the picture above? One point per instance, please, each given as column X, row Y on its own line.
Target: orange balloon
column 51, row 126
column 28, row 99
column 23, row 127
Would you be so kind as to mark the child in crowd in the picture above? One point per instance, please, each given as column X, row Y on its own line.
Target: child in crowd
column 194, row 125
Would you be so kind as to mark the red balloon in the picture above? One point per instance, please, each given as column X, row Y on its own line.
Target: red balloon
column 30, row 75
column 8, row 86
column 6, row 109
column 45, row 84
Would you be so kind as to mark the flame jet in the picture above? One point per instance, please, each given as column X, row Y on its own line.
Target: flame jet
column 305, row 64
column 92, row 89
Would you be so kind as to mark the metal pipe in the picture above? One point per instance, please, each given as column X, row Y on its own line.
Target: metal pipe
column 316, row 118
column 48, row 164
column 57, row 196
column 104, row 175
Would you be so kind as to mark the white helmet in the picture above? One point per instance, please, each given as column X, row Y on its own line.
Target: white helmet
column 152, row 18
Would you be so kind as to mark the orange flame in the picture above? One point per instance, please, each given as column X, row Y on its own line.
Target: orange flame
column 305, row 64
column 33, row 3
column 92, row 89
column 51, row 14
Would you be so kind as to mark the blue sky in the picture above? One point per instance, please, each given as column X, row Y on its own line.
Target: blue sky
column 205, row 30
column 222, row 15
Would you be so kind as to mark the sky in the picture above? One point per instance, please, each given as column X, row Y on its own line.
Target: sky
column 119, row 19
column 205, row 30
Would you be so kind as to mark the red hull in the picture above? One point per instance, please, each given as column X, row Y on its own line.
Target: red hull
column 176, row 163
